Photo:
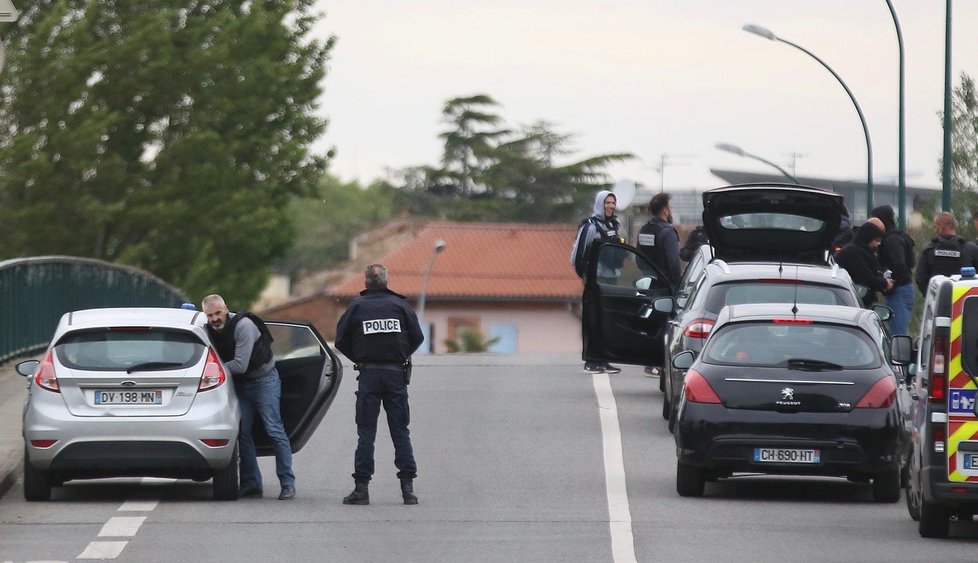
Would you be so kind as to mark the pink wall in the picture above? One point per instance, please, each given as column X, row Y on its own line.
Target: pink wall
column 541, row 327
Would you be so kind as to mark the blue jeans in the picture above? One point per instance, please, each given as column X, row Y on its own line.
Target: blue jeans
column 263, row 395
column 901, row 301
column 387, row 387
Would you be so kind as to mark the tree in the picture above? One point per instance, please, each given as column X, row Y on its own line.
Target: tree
column 165, row 134
column 492, row 173
column 327, row 220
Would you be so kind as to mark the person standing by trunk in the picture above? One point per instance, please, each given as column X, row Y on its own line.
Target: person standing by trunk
column 896, row 255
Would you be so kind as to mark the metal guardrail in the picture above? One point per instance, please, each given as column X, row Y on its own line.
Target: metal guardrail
column 35, row 292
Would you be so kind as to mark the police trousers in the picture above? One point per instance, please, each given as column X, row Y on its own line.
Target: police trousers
column 385, row 387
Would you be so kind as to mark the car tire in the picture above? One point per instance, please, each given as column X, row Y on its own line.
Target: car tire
column 226, row 480
column 934, row 520
column 913, row 503
column 690, row 480
column 37, row 483
column 886, row 486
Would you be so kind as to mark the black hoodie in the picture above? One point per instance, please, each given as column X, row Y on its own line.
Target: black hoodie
column 896, row 250
column 860, row 261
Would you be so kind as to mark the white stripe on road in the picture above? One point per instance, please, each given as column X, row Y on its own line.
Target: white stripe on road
column 138, row 505
column 103, row 550
column 121, row 526
column 622, row 541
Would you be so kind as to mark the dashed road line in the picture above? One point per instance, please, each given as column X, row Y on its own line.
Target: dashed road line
column 121, row 526
column 103, row 550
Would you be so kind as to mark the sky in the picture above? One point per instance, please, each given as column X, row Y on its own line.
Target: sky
column 665, row 80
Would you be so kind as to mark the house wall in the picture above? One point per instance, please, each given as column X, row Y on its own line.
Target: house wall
column 541, row 327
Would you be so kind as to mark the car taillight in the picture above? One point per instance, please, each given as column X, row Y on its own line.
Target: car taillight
column 43, row 443
column 881, row 395
column 45, row 377
column 697, row 389
column 213, row 375
column 700, row 328
column 936, row 392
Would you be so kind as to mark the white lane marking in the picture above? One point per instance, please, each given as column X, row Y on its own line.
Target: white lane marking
column 121, row 526
column 138, row 505
column 103, row 550
column 622, row 540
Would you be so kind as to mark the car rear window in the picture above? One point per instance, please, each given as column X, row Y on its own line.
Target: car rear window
column 767, row 221
column 151, row 349
column 753, row 291
column 772, row 344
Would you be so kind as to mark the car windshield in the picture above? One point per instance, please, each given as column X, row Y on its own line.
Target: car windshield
column 767, row 221
column 139, row 349
column 805, row 347
column 776, row 291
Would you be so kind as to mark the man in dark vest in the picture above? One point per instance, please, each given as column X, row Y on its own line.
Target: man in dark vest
column 245, row 347
column 379, row 331
column 658, row 240
column 946, row 254
column 896, row 255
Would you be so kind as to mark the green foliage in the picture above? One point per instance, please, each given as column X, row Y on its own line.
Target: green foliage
column 159, row 133
column 469, row 340
column 492, row 173
column 326, row 221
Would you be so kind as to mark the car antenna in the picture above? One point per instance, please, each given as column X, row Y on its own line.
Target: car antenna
column 794, row 306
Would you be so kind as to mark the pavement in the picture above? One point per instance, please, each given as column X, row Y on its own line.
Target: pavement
column 13, row 391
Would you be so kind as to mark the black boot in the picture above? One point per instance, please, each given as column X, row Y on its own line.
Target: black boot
column 360, row 495
column 407, row 491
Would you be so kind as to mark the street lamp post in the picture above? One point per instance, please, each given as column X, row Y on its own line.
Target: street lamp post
column 946, row 164
column 436, row 248
column 734, row 149
column 902, row 164
column 768, row 34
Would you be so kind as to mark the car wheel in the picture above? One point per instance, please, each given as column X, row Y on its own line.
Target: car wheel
column 690, row 480
column 933, row 520
column 226, row 480
column 913, row 502
column 886, row 486
column 37, row 483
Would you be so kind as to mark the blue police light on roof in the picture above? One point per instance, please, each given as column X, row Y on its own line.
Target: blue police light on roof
column 968, row 272
column 192, row 307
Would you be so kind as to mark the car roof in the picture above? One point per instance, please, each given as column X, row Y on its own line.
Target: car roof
column 786, row 270
column 801, row 311
column 168, row 317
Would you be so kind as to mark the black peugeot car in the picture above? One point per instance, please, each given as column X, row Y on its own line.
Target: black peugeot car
column 793, row 389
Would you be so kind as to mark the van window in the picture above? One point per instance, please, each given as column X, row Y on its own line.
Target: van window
column 969, row 335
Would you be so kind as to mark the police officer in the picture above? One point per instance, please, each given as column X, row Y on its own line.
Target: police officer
column 659, row 241
column 946, row 254
column 245, row 346
column 379, row 332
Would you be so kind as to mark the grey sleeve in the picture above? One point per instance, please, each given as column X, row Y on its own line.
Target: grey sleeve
column 245, row 336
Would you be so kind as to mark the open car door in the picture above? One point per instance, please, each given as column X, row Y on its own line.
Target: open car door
column 619, row 323
column 310, row 374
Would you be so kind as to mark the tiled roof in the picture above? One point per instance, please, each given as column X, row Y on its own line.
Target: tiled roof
column 481, row 260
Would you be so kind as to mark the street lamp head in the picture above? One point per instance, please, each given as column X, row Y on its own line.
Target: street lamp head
column 762, row 31
column 733, row 149
column 440, row 245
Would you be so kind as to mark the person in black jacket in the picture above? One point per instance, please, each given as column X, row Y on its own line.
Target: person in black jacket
column 245, row 347
column 896, row 255
column 946, row 254
column 859, row 259
column 379, row 331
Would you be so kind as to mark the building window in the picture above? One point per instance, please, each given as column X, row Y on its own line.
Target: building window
column 506, row 334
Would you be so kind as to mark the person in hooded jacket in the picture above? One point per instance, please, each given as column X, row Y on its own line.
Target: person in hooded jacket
column 859, row 259
column 896, row 255
column 602, row 226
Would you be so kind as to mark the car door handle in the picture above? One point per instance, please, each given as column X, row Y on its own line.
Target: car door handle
column 674, row 323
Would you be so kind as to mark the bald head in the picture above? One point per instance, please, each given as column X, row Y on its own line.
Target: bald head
column 878, row 222
column 944, row 224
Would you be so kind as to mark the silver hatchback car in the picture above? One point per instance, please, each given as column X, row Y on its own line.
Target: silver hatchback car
column 142, row 392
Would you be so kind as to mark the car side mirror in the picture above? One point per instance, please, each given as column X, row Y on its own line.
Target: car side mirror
column 901, row 349
column 664, row 305
column 27, row 367
column 643, row 284
column 883, row 312
column 683, row 360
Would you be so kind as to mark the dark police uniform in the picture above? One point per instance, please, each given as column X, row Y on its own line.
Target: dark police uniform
column 379, row 332
column 945, row 255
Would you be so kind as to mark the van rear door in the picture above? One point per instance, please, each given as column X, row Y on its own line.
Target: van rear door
column 962, row 368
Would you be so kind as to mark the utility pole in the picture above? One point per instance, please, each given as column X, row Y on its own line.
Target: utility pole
column 794, row 161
